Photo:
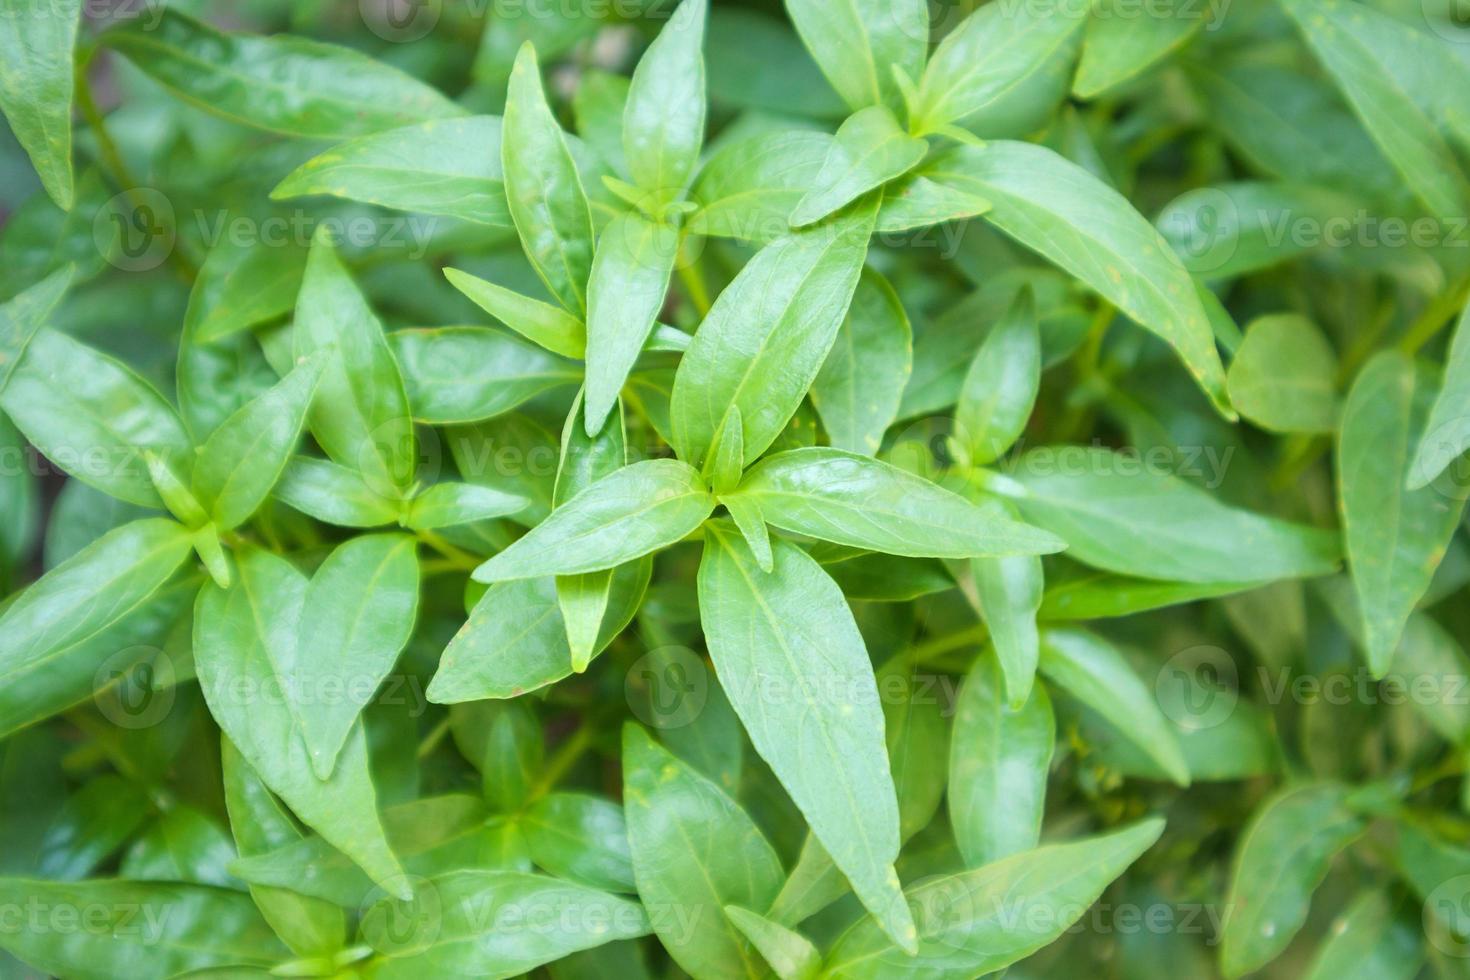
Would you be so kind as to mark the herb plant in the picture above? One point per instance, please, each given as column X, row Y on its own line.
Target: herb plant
column 642, row 489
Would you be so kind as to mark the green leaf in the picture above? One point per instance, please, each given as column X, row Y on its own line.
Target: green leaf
column 790, row 954
column 1375, row 937
column 1008, row 596
column 1447, row 433
column 1059, row 209
column 358, row 615
column 505, row 742
column 242, row 286
column 283, row 84
column 497, row 656
column 494, row 924
column 765, row 338
column 243, row 458
column 859, row 44
column 581, row 838
column 57, row 634
column 725, row 465
column 261, row 824
column 93, row 416
column 864, row 503
column 858, row 389
column 1281, row 859
column 448, row 167
column 20, row 505
column 628, row 282
column 1000, row 386
column 27, row 313
column 1283, row 377
column 182, row 845
column 1394, row 537
column 544, row 191
column 451, row 504
column 1379, row 64
column 361, row 412
column 663, row 119
column 134, row 928
column 869, row 150
column 791, row 628
column 598, row 106
column 1000, row 72
column 981, row 921
column 36, row 82
column 455, row 375
column 694, row 849
column 1120, row 45
column 1119, row 514
column 176, row 497
column 748, row 188
column 334, row 494
column 629, row 513
column 246, row 652
column 541, row 323
column 999, row 760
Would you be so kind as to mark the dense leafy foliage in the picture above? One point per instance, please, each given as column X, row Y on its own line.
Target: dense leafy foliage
column 859, row 489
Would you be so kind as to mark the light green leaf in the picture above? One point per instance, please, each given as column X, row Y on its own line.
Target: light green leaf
column 93, row 416
column 663, row 119
column 505, row 742
column 869, row 150
column 1447, row 433
column 860, row 43
column 25, row 314
column 791, row 628
column 748, row 188
column 1121, row 45
column 858, row 389
column 1394, row 538
column 334, row 494
column 585, row 459
column 862, row 502
column 999, row 760
column 1280, row 860
column 1095, row 673
column 1283, row 376
column 1375, row 938
column 449, row 504
column 541, row 323
column 694, row 849
column 581, row 838
column 283, row 84
column 448, row 167
column 543, row 188
column 765, row 338
column 790, row 954
column 36, row 82
column 631, row 512
column 455, row 375
column 242, row 286
column 1000, row 386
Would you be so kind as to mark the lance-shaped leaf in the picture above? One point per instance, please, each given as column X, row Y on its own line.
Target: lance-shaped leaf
column 242, row 285
column 585, row 459
column 334, row 494
column 1282, row 857
column 1394, row 537
column 1000, row 386
column 862, row 502
column 448, row 167
column 245, row 456
column 1447, row 433
column 1059, row 209
column 358, row 616
column 499, row 655
column 246, row 652
column 981, row 921
column 694, row 848
column 260, row 824
column 543, row 189
column 449, row 504
column 54, row 635
column 747, row 189
column 860, row 45
column 455, row 375
column 627, row 514
column 550, row 326
column 1381, row 66
column 581, row 838
column 134, row 928
column 494, row 924
column 25, row 314
column 858, row 389
column 1001, row 72
column 282, row 84
column 182, row 845
column 36, row 86
column 869, row 150
column 1119, row 46
column 1008, row 594
column 790, row 954
column 791, row 661
column 765, row 338
column 1283, row 376
column 1095, row 673
column 999, row 760
column 1117, row 514
column 663, row 119
column 93, row 416
column 629, row 278
column 361, row 412
column 1376, row 937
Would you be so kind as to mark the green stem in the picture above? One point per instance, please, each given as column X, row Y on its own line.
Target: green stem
column 693, row 279
column 1438, row 313
column 571, row 750
column 457, row 557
